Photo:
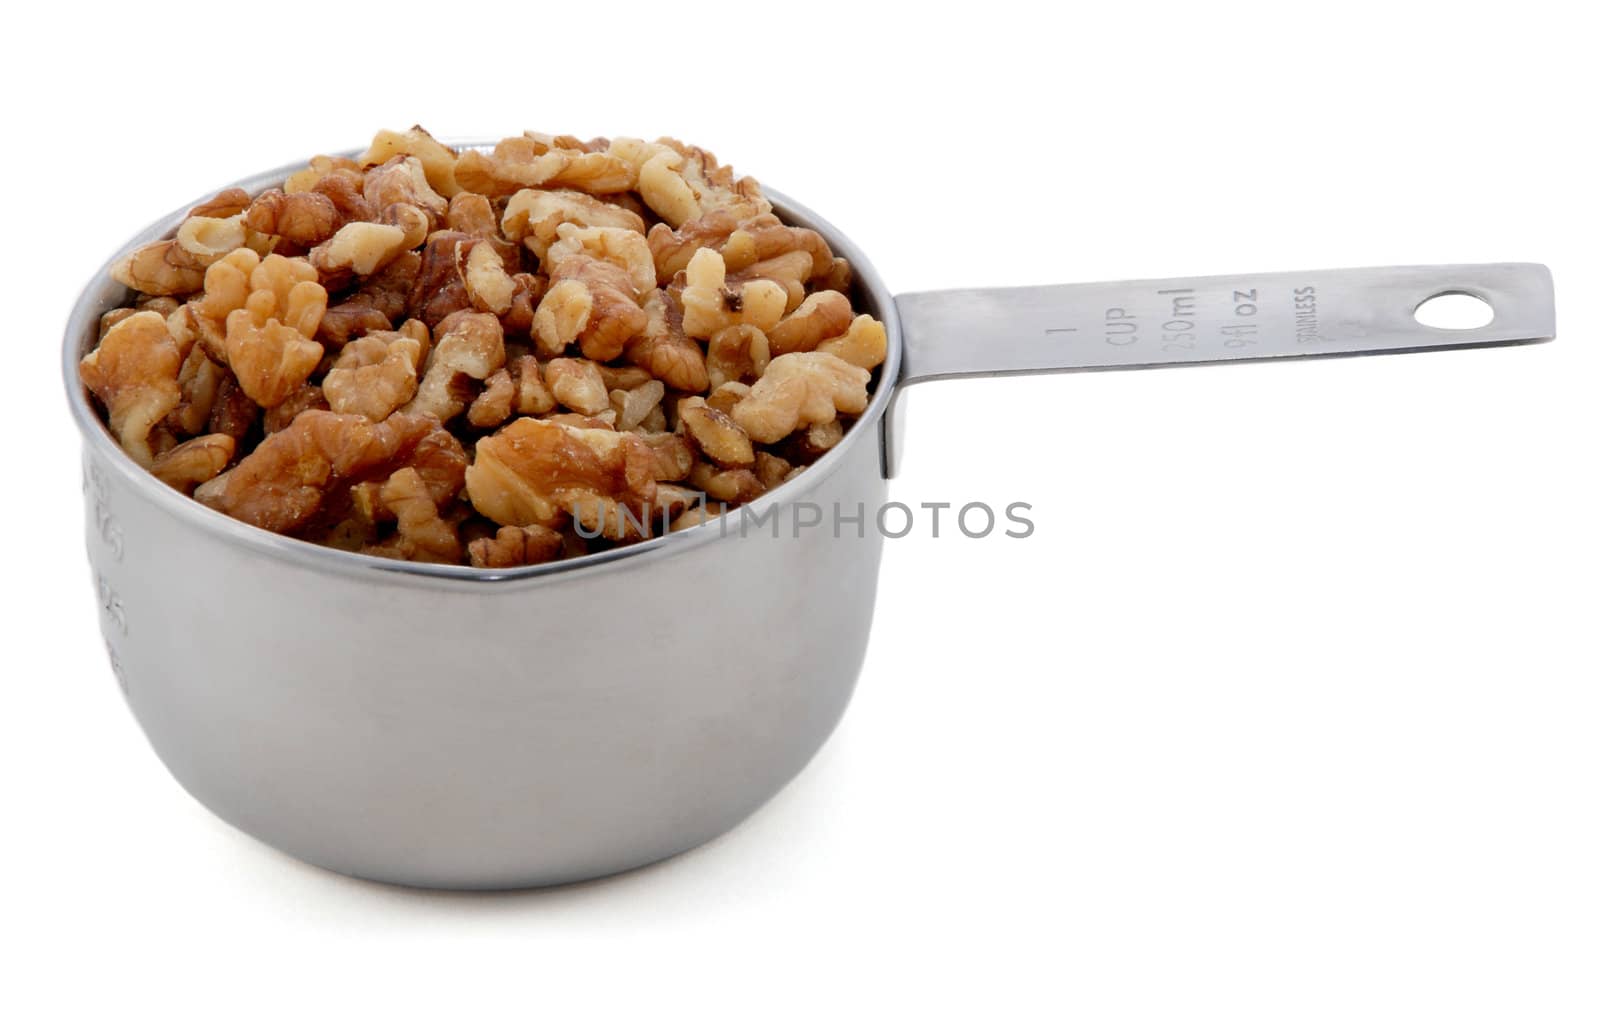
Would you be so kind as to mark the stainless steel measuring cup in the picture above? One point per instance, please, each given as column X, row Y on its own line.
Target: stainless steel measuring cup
column 475, row 728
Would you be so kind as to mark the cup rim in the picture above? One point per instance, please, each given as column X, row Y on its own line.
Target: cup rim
column 90, row 304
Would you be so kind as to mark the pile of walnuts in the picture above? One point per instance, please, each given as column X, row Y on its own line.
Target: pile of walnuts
column 499, row 358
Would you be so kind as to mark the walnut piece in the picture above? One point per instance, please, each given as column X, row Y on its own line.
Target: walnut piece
column 470, row 345
column 194, row 462
column 822, row 316
column 281, row 484
column 864, row 344
column 737, row 354
column 577, row 385
column 801, row 390
column 437, row 160
column 709, row 304
column 622, row 334
column 162, row 267
column 421, row 535
column 530, row 160
column 516, row 545
column 535, row 471
column 533, row 217
column 304, row 219
column 268, row 343
column 376, row 374
column 715, row 434
column 134, row 372
column 597, row 277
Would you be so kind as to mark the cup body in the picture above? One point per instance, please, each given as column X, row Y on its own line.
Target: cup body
column 486, row 729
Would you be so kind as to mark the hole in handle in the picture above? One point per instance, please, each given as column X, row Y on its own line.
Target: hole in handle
column 1454, row 310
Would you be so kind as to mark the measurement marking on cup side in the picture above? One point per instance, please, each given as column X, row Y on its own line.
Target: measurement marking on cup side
column 1178, row 331
column 100, row 515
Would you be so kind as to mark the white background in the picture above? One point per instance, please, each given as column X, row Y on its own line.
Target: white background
column 1285, row 717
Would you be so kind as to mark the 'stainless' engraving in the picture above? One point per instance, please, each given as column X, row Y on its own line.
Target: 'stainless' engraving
column 104, row 523
column 1306, row 328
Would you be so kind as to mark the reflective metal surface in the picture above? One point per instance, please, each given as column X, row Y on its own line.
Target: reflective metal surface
column 1092, row 327
column 465, row 728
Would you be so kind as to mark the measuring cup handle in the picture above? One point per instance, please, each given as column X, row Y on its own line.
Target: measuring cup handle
column 1207, row 320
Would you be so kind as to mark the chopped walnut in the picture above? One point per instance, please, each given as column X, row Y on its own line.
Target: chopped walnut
column 697, row 516
column 134, row 372
column 824, row 315
column 376, row 304
column 304, row 397
column 208, row 239
column 321, row 169
column 534, row 471
column 715, row 434
column 612, row 269
column 525, row 161
column 812, row 442
column 801, row 390
column 672, row 457
column 635, row 405
column 194, row 462
column 624, row 335
column 765, row 237
column 724, row 397
column 735, row 486
column 864, row 344
column 577, row 385
column 421, row 535
column 773, row 470
column 787, row 270
column 488, row 286
column 162, row 267
column 561, row 316
column 531, row 396
column 226, row 204
column 438, row 161
column 440, row 288
column 533, row 217
column 628, row 377
column 737, row 354
column 281, row 484
column 673, row 248
column 401, row 180
column 664, row 350
column 376, row 374
column 232, row 412
column 681, row 183
column 268, row 342
column 527, row 290
column 709, row 305
column 607, row 419
column 471, row 345
column 516, row 545
column 198, row 381
column 472, row 214
column 304, row 219
column 364, row 247
column 493, row 405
